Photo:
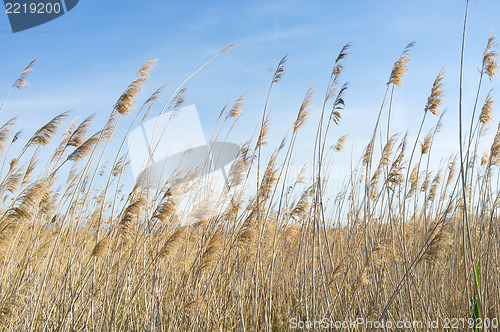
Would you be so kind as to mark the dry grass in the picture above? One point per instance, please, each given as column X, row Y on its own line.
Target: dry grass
column 78, row 254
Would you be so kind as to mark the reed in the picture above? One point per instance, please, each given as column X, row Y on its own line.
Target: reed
column 82, row 249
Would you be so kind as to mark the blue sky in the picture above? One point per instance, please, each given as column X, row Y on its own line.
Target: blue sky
column 87, row 57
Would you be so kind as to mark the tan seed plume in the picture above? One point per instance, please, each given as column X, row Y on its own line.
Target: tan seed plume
column 125, row 103
column 339, row 146
column 490, row 64
column 21, row 81
column 400, row 67
column 304, row 110
column 487, row 110
column 235, row 111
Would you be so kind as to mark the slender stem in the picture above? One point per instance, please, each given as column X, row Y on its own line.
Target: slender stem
column 462, row 171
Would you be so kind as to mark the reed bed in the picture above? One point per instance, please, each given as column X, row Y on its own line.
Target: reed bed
column 400, row 241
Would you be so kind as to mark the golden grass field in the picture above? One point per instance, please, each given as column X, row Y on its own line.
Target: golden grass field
column 401, row 241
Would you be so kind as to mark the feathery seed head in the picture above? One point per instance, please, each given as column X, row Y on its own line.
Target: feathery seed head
column 125, row 103
column 490, row 63
column 399, row 71
column 437, row 93
column 235, row 111
column 339, row 146
column 21, row 81
column 426, row 144
column 400, row 67
column 304, row 110
column 100, row 248
column 43, row 135
column 486, row 112
column 278, row 74
column 172, row 242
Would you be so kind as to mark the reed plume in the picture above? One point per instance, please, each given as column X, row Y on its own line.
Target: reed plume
column 96, row 249
column 5, row 130
column 131, row 212
column 100, row 248
column 85, row 148
column 278, row 74
column 210, row 253
column 263, row 133
column 400, row 67
column 173, row 241
column 21, row 81
column 490, row 63
column 44, row 135
column 125, row 103
column 339, row 146
column 77, row 137
column 486, row 115
column 235, row 111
